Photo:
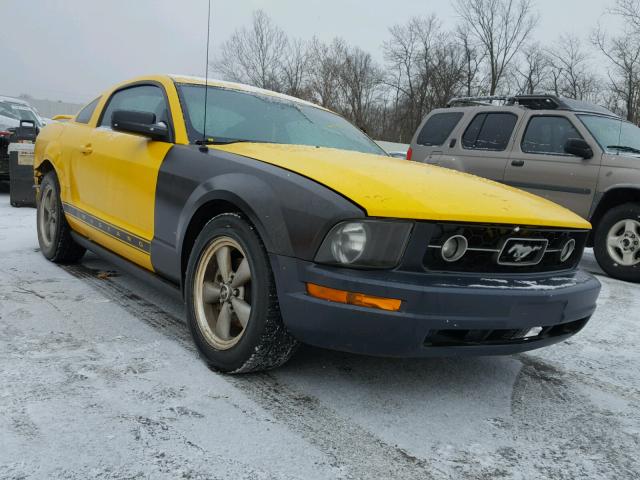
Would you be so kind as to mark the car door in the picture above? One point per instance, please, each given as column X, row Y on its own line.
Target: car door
column 118, row 172
column 481, row 143
column 540, row 165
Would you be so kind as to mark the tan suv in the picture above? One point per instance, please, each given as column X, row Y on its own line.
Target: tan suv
column 574, row 153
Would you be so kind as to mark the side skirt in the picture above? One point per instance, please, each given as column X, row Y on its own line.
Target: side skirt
column 138, row 272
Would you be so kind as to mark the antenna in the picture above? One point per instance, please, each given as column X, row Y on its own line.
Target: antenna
column 203, row 144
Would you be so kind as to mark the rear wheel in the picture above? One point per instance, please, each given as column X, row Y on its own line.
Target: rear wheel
column 232, row 305
column 617, row 242
column 54, row 233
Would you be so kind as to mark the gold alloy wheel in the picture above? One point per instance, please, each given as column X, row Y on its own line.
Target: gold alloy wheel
column 222, row 293
column 48, row 217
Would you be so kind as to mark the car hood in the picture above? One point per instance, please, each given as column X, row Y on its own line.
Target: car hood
column 394, row 188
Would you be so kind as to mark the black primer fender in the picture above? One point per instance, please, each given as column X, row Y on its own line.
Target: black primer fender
column 292, row 213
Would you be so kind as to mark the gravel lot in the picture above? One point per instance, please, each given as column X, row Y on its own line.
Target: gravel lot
column 100, row 380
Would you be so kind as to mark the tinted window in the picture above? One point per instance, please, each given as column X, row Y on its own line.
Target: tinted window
column 438, row 128
column 234, row 115
column 145, row 98
column 85, row 114
column 489, row 131
column 548, row 135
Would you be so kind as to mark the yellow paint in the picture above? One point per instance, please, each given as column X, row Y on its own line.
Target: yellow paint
column 113, row 175
column 395, row 188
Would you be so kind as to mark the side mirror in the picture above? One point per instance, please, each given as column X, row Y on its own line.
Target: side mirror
column 579, row 148
column 140, row 123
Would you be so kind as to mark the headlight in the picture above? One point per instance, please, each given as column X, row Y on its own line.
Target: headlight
column 365, row 243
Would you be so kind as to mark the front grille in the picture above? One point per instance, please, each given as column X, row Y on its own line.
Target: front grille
column 468, row 338
column 485, row 248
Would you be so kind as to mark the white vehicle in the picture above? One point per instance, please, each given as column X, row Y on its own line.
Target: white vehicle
column 16, row 109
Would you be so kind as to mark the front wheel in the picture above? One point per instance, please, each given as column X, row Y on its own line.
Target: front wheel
column 232, row 305
column 617, row 242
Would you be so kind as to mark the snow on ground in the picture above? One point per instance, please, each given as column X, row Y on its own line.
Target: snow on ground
column 100, row 380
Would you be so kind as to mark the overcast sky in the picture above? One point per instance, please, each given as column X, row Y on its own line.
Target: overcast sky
column 72, row 49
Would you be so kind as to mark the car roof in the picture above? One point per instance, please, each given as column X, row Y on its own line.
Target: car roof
column 14, row 100
column 546, row 103
column 194, row 80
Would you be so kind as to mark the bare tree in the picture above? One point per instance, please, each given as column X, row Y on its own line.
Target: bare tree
column 629, row 10
column 360, row 81
column 501, row 27
column 295, row 69
column 426, row 68
column 254, row 55
column 571, row 71
column 324, row 64
column 623, row 52
column 533, row 70
column 473, row 59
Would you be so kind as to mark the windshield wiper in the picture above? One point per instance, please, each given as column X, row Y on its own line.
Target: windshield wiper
column 624, row 148
column 227, row 141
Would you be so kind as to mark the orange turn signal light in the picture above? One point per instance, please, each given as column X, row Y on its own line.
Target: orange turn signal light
column 352, row 298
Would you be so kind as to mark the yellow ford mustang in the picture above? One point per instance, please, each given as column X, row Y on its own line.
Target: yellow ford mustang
column 280, row 222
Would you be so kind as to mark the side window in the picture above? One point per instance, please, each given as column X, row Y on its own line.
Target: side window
column 548, row 135
column 143, row 98
column 437, row 129
column 489, row 131
column 85, row 114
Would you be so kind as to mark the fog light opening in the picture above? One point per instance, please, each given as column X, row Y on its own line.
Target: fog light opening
column 567, row 250
column 454, row 248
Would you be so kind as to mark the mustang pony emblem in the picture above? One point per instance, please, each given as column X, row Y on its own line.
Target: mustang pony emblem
column 519, row 252
column 522, row 251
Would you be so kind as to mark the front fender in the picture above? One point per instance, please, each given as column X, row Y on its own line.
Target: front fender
column 290, row 212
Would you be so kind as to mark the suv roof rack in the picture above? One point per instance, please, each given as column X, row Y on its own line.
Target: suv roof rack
column 533, row 102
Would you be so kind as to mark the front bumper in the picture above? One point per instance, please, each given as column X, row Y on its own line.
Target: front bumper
column 440, row 315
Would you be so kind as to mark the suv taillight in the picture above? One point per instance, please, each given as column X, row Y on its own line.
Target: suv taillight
column 409, row 153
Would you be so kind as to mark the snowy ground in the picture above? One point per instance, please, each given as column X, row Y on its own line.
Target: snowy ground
column 100, row 380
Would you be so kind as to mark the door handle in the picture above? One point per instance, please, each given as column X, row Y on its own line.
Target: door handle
column 86, row 149
column 517, row 163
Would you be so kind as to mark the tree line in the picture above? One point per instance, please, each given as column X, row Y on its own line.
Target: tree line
column 489, row 52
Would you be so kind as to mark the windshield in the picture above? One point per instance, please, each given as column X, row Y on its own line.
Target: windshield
column 613, row 135
column 248, row 116
column 18, row 112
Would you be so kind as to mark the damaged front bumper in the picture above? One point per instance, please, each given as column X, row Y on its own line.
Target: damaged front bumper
column 440, row 314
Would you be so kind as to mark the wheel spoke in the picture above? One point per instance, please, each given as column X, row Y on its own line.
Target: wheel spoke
column 223, row 257
column 613, row 241
column 242, row 309
column 243, row 274
column 628, row 258
column 210, row 292
column 223, row 323
column 631, row 226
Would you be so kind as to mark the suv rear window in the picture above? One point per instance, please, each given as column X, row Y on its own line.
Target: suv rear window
column 438, row 128
column 489, row 131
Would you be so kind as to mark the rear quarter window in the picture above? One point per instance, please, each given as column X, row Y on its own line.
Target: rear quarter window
column 437, row 128
column 489, row 131
column 85, row 114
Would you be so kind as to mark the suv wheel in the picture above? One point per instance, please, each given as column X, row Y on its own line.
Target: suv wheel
column 232, row 304
column 617, row 242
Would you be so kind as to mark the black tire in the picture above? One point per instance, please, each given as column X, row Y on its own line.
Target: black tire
column 264, row 343
column 57, row 245
column 627, row 211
